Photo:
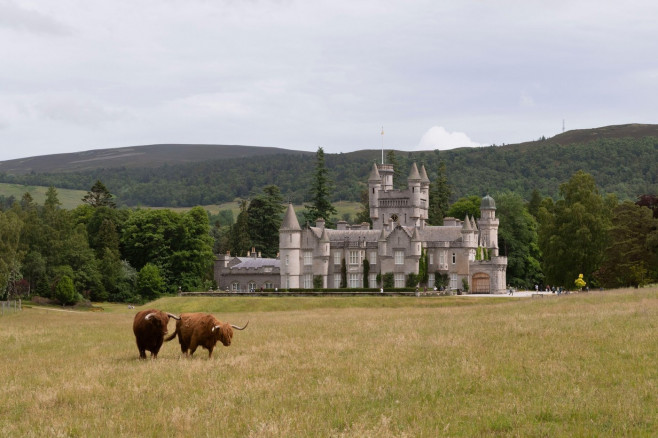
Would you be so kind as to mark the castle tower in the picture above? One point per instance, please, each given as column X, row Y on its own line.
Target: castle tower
column 290, row 243
column 489, row 224
column 374, row 187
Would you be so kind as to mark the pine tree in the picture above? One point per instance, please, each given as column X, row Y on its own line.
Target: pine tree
column 440, row 193
column 321, row 188
column 99, row 196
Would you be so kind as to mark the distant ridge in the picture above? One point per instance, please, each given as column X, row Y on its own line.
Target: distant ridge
column 149, row 156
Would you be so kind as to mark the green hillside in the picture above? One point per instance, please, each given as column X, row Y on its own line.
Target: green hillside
column 622, row 159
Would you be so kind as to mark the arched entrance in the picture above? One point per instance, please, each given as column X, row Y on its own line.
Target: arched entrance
column 481, row 283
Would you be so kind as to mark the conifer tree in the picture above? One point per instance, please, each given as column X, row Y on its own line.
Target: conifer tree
column 321, row 188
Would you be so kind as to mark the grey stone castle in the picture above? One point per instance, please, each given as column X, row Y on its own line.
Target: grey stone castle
column 460, row 251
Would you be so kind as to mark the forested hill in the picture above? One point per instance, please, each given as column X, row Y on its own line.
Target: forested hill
column 151, row 156
column 623, row 159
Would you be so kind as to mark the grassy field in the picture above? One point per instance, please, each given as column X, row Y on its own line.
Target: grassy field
column 69, row 198
column 72, row 198
column 576, row 365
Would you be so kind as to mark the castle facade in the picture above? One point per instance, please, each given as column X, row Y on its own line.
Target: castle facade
column 464, row 252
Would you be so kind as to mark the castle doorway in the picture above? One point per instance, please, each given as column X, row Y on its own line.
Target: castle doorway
column 481, row 283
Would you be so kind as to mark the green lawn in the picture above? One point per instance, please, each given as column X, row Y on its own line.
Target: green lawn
column 576, row 365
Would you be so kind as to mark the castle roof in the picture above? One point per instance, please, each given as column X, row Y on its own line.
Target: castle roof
column 254, row 263
column 290, row 221
column 488, row 203
column 440, row 233
column 374, row 174
column 423, row 174
column 414, row 175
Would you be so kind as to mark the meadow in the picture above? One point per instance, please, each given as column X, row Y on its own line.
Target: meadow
column 575, row 365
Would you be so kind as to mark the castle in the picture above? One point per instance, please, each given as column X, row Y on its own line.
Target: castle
column 463, row 252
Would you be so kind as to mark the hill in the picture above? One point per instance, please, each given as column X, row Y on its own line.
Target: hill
column 151, row 156
column 623, row 159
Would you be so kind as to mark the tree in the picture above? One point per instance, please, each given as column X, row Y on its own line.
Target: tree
column 573, row 235
column 150, row 284
column 363, row 215
column 366, row 273
column 99, row 196
column 439, row 199
column 240, row 240
column 264, row 216
column 343, row 274
column 534, row 204
column 629, row 259
column 192, row 257
column 465, row 206
column 518, row 240
column 65, row 291
column 10, row 231
column 321, row 188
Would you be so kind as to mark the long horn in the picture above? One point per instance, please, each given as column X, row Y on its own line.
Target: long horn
column 240, row 328
column 215, row 327
column 149, row 316
column 173, row 316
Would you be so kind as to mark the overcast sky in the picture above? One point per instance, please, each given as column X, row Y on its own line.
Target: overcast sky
column 77, row 75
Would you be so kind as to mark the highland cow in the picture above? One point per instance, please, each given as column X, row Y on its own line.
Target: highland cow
column 150, row 327
column 202, row 330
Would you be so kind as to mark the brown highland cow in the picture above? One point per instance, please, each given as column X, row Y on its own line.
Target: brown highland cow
column 150, row 327
column 202, row 330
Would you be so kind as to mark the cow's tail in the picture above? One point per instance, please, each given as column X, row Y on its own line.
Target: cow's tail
column 173, row 335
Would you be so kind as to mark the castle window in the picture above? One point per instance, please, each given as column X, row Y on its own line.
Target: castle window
column 373, row 258
column 442, row 258
column 372, row 280
column 454, row 258
column 337, row 258
column 430, row 280
column 336, row 281
column 287, row 260
column 355, row 281
column 431, row 258
column 354, row 257
column 235, row 287
column 399, row 280
column 399, row 258
column 308, row 258
column 308, row 281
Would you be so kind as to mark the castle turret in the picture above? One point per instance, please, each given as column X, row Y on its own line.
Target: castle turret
column 489, row 224
column 290, row 236
column 374, row 186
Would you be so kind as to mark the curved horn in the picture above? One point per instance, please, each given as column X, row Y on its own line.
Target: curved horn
column 147, row 317
column 215, row 327
column 240, row 328
column 173, row 316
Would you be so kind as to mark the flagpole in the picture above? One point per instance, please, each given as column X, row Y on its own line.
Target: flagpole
column 382, row 144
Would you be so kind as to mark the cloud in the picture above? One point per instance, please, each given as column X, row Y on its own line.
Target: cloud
column 437, row 137
column 16, row 17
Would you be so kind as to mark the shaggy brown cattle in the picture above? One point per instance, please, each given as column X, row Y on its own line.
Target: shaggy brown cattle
column 202, row 330
column 150, row 327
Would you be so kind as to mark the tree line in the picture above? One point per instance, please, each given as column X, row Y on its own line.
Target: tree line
column 624, row 166
column 99, row 251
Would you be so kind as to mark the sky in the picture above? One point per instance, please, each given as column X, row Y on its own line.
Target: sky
column 78, row 75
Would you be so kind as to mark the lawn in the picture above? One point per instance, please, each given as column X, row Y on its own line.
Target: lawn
column 576, row 365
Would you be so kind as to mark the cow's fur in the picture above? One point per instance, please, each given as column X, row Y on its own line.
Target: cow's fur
column 150, row 327
column 201, row 330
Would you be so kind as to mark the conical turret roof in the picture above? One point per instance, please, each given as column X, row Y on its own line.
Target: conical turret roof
column 290, row 221
column 414, row 175
column 374, row 173
column 423, row 174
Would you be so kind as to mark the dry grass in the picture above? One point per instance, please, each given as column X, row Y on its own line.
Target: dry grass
column 582, row 365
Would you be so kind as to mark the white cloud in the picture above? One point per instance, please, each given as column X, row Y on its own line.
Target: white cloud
column 437, row 137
